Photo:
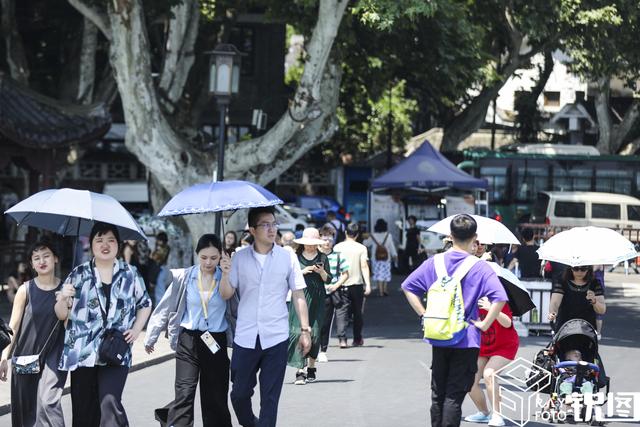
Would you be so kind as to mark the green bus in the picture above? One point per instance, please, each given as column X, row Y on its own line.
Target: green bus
column 515, row 178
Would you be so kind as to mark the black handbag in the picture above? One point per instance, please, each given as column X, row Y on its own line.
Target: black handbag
column 5, row 335
column 113, row 348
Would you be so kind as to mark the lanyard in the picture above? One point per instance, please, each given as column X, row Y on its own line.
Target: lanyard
column 208, row 295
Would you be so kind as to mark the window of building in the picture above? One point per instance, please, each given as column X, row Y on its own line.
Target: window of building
column 551, row 99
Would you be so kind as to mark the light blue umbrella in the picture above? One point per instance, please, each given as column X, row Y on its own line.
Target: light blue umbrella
column 70, row 212
column 219, row 196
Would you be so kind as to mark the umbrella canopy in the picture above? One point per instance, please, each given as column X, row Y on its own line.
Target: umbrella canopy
column 72, row 212
column 587, row 246
column 489, row 231
column 519, row 299
column 219, row 196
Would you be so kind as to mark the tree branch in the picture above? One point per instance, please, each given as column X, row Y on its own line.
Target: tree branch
column 99, row 18
column 622, row 130
column 87, row 64
column 183, row 31
column 605, row 126
column 15, row 55
column 255, row 151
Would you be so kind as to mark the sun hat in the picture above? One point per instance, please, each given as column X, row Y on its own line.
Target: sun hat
column 310, row 236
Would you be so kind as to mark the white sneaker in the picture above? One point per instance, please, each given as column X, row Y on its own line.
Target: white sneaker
column 322, row 358
column 496, row 421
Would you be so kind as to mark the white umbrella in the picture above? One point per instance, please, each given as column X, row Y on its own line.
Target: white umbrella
column 489, row 231
column 72, row 212
column 587, row 246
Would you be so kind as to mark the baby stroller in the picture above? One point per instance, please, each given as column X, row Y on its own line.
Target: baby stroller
column 575, row 365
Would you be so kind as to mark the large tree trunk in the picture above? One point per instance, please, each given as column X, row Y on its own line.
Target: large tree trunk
column 612, row 136
column 170, row 158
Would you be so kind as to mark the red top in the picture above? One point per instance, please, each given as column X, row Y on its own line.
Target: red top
column 498, row 340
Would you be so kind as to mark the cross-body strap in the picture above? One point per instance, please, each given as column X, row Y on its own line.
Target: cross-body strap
column 441, row 268
column 465, row 266
column 385, row 239
column 374, row 240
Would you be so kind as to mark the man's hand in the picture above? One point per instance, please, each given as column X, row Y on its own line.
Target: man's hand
column 367, row 290
column 304, row 342
column 130, row 335
column 225, row 263
column 332, row 288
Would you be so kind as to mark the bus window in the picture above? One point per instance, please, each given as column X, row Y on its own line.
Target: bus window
column 605, row 211
column 633, row 212
column 539, row 213
column 530, row 180
column 570, row 210
column 497, row 178
column 613, row 181
column 575, row 179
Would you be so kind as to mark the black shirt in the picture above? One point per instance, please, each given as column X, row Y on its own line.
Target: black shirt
column 574, row 303
column 411, row 245
column 529, row 261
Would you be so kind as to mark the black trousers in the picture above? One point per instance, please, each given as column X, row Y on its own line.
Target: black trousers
column 96, row 396
column 195, row 362
column 354, row 298
column 245, row 364
column 453, row 371
column 332, row 303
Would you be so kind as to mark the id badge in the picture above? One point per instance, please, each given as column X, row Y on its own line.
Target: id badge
column 210, row 342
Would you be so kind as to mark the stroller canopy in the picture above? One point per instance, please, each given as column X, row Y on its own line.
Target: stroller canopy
column 577, row 334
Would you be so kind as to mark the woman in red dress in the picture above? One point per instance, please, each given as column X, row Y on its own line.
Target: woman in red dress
column 498, row 348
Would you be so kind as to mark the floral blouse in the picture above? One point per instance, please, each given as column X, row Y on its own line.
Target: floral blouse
column 85, row 327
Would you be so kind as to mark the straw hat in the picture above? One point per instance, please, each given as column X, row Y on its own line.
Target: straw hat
column 310, row 236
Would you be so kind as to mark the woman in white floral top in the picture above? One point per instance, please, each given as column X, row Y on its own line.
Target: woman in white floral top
column 102, row 287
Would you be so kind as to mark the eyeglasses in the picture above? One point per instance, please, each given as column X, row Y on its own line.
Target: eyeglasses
column 268, row 225
column 583, row 268
column 326, row 238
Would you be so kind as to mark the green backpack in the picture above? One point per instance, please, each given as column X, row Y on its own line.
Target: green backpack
column 444, row 322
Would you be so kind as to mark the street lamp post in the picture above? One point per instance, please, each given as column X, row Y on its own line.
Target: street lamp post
column 224, row 80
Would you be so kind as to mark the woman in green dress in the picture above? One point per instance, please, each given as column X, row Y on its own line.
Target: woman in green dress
column 315, row 268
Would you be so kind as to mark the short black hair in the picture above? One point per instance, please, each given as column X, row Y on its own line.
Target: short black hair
column 43, row 243
column 209, row 240
column 100, row 228
column 254, row 214
column 162, row 236
column 412, row 217
column 353, row 230
column 463, row 227
column 331, row 214
column 381, row 226
column 527, row 234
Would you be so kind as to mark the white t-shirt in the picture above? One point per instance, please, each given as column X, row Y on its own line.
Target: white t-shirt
column 262, row 258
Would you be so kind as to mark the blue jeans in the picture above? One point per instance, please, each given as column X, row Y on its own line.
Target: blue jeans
column 245, row 363
column 161, row 284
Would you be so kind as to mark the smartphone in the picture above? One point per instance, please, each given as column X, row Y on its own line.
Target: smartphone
column 319, row 264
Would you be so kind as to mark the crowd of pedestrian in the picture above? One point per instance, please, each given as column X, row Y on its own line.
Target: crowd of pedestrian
column 274, row 298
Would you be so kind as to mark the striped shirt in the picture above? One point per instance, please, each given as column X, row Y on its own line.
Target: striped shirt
column 337, row 266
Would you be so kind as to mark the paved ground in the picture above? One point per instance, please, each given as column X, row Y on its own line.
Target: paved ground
column 385, row 383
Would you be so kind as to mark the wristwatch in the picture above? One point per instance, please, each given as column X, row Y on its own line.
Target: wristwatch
column 305, row 329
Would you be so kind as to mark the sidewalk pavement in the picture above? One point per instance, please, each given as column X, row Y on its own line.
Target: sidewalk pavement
column 141, row 360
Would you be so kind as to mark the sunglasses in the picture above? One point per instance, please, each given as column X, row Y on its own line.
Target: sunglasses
column 580, row 268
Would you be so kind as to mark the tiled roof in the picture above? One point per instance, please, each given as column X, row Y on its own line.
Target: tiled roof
column 30, row 119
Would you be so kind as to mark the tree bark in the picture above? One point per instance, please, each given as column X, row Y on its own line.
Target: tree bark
column 603, row 114
column 87, row 64
column 179, row 58
column 14, row 49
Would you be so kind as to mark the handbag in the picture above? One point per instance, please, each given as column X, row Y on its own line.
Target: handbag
column 31, row 364
column 113, row 348
column 5, row 335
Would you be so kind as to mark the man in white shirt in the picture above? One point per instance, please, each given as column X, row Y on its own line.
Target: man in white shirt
column 262, row 274
column 356, row 287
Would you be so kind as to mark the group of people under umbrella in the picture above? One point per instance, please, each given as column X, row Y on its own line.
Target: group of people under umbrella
column 86, row 323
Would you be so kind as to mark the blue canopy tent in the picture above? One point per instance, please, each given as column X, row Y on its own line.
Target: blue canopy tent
column 426, row 170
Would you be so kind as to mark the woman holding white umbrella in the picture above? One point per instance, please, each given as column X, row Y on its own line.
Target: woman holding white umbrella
column 578, row 296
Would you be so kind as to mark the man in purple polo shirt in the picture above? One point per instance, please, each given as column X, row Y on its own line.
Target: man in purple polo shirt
column 453, row 368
